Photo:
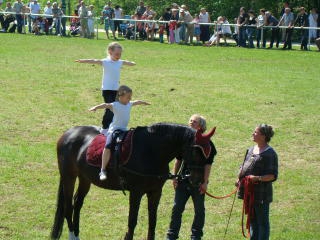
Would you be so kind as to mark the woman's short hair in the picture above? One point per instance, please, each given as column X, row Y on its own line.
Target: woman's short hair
column 202, row 121
column 267, row 131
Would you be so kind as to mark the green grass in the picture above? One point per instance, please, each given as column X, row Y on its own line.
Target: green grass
column 44, row 92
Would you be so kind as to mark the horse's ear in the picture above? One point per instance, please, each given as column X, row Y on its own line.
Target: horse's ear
column 202, row 138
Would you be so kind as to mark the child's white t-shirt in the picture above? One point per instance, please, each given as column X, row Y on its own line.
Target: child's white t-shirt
column 111, row 74
column 121, row 116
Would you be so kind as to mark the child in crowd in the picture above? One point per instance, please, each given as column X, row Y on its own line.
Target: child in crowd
column 110, row 78
column 197, row 30
column 172, row 28
column 150, row 28
column 161, row 32
column 121, row 109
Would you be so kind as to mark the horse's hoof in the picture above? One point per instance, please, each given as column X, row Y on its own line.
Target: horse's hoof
column 73, row 237
column 128, row 237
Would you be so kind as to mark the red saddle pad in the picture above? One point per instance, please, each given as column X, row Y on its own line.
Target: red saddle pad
column 95, row 150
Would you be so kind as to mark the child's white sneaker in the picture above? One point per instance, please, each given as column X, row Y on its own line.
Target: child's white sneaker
column 103, row 175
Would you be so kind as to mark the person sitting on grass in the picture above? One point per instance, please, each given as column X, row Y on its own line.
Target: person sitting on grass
column 221, row 31
column 7, row 18
column 121, row 110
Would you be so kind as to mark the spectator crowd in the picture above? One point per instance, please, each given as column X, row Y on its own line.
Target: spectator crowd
column 174, row 25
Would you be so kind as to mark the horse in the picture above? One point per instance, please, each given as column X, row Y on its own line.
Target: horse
column 153, row 147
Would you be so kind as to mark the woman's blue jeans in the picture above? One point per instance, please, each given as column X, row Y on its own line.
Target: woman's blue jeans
column 242, row 36
column 183, row 192
column 259, row 31
column 260, row 225
column 250, row 32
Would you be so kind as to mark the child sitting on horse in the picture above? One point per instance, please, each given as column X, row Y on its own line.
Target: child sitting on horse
column 121, row 110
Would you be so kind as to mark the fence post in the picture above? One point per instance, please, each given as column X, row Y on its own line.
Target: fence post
column 262, row 40
column 135, row 30
column 97, row 27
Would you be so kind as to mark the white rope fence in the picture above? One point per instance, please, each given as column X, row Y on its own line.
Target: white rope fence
column 135, row 21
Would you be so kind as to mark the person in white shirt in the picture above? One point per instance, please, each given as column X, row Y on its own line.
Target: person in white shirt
column 83, row 14
column 121, row 109
column 261, row 34
column 91, row 14
column 118, row 14
column 110, row 78
column 204, row 17
column 313, row 22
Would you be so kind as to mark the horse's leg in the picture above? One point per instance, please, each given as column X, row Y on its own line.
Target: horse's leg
column 83, row 189
column 153, row 203
column 68, row 188
column 135, row 199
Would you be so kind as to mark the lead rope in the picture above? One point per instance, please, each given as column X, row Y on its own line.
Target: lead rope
column 229, row 195
column 248, row 202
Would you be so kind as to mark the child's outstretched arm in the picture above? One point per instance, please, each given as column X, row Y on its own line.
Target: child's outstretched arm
column 139, row 102
column 91, row 61
column 128, row 63
column 101, row 106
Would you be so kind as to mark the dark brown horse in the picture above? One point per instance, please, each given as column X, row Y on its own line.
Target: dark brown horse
column 145, row 172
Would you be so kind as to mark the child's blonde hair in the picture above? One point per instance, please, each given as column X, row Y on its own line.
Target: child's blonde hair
column 123, row 90
column 112, row 46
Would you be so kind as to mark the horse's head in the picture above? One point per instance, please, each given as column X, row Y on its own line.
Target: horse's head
column 197, row 156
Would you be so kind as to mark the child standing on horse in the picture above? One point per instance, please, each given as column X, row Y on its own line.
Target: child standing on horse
column 121, row 110
column 110, row 78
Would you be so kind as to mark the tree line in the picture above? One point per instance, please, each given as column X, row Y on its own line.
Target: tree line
column 228, row 8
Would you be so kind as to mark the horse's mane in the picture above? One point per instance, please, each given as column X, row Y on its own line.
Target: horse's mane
column 173, row 130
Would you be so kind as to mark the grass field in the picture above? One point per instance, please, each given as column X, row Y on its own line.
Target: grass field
column 44, row 92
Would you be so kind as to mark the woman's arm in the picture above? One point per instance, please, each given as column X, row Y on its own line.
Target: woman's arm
column 263, row 178
column 91, row 61
column 204, row 185
column 101, row 106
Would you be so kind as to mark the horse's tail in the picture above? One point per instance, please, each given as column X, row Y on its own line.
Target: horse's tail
column 59, row 216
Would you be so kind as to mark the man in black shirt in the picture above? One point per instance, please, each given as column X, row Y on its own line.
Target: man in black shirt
column 242, row 22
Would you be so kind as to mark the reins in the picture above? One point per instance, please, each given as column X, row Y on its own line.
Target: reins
column 164, row 176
